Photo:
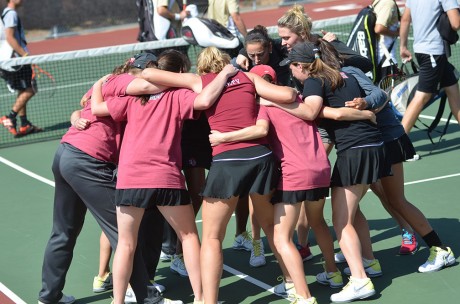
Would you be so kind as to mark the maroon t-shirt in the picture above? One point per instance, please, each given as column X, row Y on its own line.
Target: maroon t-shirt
column 234, row 110
column 102, row 139
column 151, row 155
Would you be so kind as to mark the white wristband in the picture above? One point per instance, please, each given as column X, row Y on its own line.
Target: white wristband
column 177, row 17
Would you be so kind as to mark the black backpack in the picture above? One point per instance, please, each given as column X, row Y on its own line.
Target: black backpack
column 145, row 20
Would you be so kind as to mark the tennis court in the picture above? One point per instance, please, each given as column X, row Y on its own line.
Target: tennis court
column 27, row 202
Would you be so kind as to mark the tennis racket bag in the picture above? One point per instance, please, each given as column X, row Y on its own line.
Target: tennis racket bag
column 362, row 38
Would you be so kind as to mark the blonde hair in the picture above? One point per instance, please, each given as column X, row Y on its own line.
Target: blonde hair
column 211, row 60
column 297, row 21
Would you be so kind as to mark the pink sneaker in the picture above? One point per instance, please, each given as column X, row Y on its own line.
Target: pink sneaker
column 305, row 252
column 409, row 243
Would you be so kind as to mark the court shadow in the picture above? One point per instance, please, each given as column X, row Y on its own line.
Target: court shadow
column 424, row 147
column 444, row 146
column 95, row 298
column 58, row 126
column 241, row 283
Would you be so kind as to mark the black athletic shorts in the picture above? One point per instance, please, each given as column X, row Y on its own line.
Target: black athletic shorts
column 435, row 72
column 20, row 79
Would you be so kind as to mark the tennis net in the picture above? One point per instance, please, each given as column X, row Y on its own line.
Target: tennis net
column 63, row 78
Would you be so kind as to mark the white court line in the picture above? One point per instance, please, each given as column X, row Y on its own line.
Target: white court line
column 249, row 279
column 231, row 270
column 432, row 117
column 26, row 172
column 11, row 294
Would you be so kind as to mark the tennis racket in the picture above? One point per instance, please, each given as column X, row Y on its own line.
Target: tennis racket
column 388, row 82
column 43, row 81
column 398, row 75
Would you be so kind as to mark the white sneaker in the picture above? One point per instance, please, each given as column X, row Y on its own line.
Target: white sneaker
column 64, row 300
column 339, row 257
column 130, row 297
column 178, row 265
column 257, row 258
column 284, row 288
column 164, row 257
column 158, row 287
column 438, row 259
column 416, row 157
column 243, row 241
column 354, row 290
column 169, row 301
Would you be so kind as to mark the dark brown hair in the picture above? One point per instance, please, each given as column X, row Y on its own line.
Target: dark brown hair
column 258, row 34
column 174, row 61
column 128, row 68
column 327, row 65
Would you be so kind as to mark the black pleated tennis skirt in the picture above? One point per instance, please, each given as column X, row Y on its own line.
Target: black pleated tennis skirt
column 360, row 166
column 399, row 150
column 241, row 172
column 293, row 197
column 150, row 197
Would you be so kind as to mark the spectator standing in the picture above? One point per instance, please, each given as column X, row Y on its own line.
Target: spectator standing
column 20, row 79
column 435, row 70
column 172, row 11
column 387, row 29
column 227, row 13
column 159, row 19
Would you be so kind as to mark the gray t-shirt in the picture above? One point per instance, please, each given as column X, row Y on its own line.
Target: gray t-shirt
column 424, row 14
column 11, row 19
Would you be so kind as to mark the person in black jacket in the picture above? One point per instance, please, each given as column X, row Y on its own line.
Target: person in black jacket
column 294, row 27
column 258, row 49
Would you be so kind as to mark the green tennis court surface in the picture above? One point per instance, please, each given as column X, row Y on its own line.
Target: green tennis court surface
column 432, row 182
